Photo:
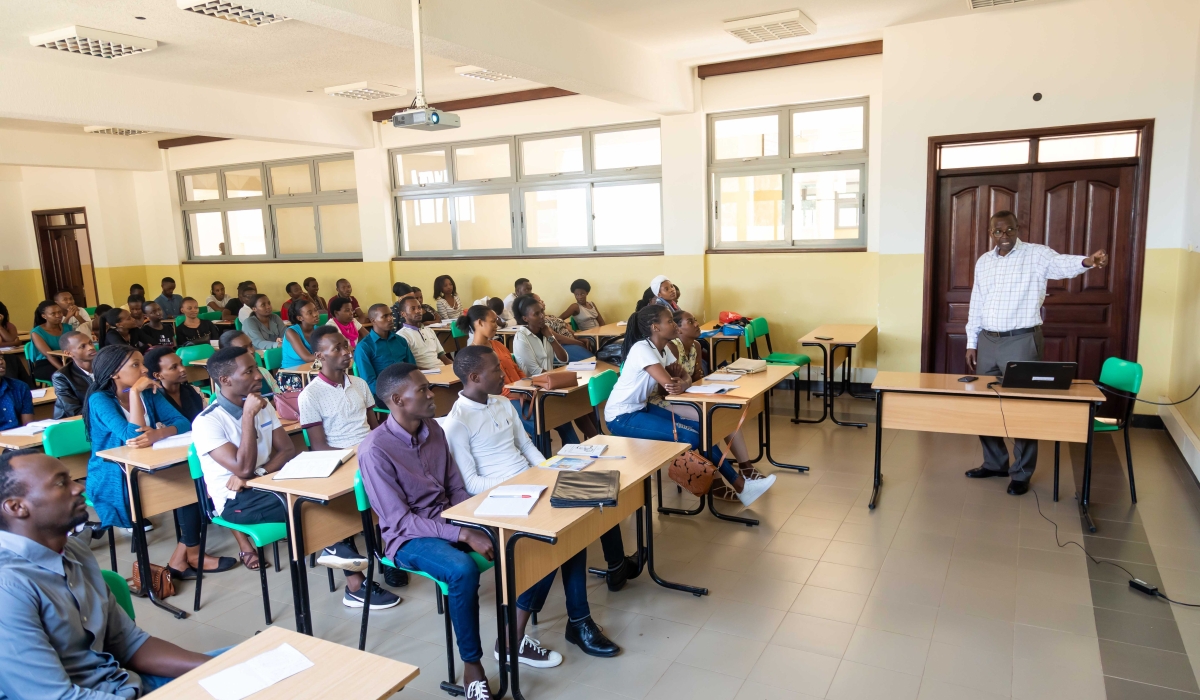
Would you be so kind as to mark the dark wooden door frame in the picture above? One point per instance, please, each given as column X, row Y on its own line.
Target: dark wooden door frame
column 37, row 228
column 1141, row 190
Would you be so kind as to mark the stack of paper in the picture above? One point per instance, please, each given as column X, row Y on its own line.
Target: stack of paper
column 259, row 673
column 582, row 450
column 567, row 464
column 711, row 388
column 181, row 440
column 313, row 465
column 514, row 500
column 582, row 366
column 34, row 428
column 722, row 377
column 431, row 371
column 39, row 393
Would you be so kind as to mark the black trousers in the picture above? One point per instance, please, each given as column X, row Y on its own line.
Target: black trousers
column 994, row 354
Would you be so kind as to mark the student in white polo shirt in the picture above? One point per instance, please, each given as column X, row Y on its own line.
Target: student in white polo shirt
column 427, row 350
column 336, row 407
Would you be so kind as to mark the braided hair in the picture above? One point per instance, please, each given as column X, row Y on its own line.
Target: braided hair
column 108, row 362
column 108, row 320
column 641, row 325
column 475, row 314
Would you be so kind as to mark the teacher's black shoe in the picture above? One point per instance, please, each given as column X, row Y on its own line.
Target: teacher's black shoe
column 1018, row 488
column 586, row 635
column 983, row 473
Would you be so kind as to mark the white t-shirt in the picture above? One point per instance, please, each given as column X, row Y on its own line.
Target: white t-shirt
column 213, row 300
column 635, row 384
column 215, row 427
column 508, row 316
column 534, row 355
column 244, row 313
column 425, row 346
column 84, row 326
column 488, row 442
column 340, row 410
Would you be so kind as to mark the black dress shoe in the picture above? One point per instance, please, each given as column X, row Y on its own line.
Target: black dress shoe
column 395, row 577
column 983, row 473
column 1018, row 488
column 617, row 575
column 586, row 635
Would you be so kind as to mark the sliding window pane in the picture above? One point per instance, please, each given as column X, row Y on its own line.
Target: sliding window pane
column 243, row 183
column 627, row 149
column 484, row 221
column 488, row 162
column 826, row 204
column 746, row 137
column 207, row 233
column 200, row 187
column 426, row 224
column 427, row 168
column 563, row 154
column 296, row 229
column 246, row 234
column 751, row 208
column 287, row 180
column 827, row 130
column 339, row 228
column 336, row 175
column 556, row 218
column 978, row 155
column 628, row 215
column 1088, row 147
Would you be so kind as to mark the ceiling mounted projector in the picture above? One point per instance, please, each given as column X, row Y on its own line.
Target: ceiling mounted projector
column 428, row 119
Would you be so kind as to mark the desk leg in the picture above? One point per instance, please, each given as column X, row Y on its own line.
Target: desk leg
column 501, row 638
column 845, row 386
column 545, row 443
column 765, row 435
column 672, row 511
column 878, row 450
column 715, row 455
column 139, row 545
column 1085, row 495
column 1057, row 444
column 648, row 518
column 825, row 400
column 510, row 577
column 849, row 386
column 304, row 610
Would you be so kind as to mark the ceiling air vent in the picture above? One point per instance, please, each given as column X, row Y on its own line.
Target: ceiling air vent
column 87, row 41
column 231, row 11
column 114, row 131
column 779, row 25
column 987, row 4
column 366, row 90
column 481, row 74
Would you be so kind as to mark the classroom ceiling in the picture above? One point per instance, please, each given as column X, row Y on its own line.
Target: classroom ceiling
column 77, row 130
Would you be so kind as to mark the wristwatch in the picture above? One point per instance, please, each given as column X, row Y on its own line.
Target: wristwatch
column 260, row 471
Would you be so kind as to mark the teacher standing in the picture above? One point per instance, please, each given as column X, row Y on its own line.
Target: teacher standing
column 1004, row 325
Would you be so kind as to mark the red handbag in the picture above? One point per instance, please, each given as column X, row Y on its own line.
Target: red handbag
column 287, row 405
column 729, row 317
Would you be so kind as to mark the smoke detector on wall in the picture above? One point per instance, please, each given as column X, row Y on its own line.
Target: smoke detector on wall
column 366, row 90
column 231, row 11
column 772, row 27
column 114, row 131
column 481, row 74
column 88, row 41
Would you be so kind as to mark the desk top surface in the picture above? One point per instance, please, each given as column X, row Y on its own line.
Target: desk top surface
column 49, row 397
column 337, row 670
column 927, row 383
column 146, row 458
column 749, row 386
column 607, row 330
column 444, row 377
column 642, row 457
column 840, row 334
column 20, row 442
column 339, row 483
column 584, row 377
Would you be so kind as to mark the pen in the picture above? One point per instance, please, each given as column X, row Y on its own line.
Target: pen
column 610, row 457
column 523, row 495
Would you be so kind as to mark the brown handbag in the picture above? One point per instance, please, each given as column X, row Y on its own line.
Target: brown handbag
column 548, row 381
column 160, row 581
column 692, row 470
column 287, row 405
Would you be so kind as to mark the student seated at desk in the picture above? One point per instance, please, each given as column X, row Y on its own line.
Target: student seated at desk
column 445, row 295
column 401, row 291
column 313, row 288
column 47, row 329
column 297, row 341
column 216, row 300
column 238, row 339
column 135, row 290
column 576, row 350
column 342, row 317
column 649, row 365
column 194, row 330
column 423, row 342
column 154, row 333
column 64, row 633
column 74, row 317
column 9, row 335
column 96, row 320
column 585, row 313
column 335, row 408
column 381, row 348
column 16, row 400
column 345, row 291
column 411, row 478
column 430, row 314
column 241, row 306
column 71, row 383
column 263, row 326
column 137, row 309
column 536, row 348
column 117, row 327
column 522, row 287
column 295, row 293
column 239, row 437
column 490, row 445
column 169, row 301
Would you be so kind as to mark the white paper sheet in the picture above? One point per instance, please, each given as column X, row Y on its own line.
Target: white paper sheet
column 431, row 371
column 259, row 673
column 39, row 393
column 582, row 450
column 622, row 323
column 723, row 377
column 181, row 440
column 24, row 430
column 313, row 465
column 582, row 366
column 46, row 423
column 514, row 500
column 711, row 389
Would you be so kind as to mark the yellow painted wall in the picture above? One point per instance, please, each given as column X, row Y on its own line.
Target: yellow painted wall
column 21, row 291
column 1160, row 295
column 901, row 286
column 1185, row 367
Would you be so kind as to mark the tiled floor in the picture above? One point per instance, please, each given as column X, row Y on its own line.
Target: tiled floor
column 950, row 590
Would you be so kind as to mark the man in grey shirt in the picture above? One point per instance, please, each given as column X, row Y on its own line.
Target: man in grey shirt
column 63, row 635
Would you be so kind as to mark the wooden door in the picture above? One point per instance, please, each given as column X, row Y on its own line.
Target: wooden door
column 64, row 250
column 1075, row 211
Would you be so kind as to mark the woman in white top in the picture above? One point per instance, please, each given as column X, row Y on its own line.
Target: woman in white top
column 216, row 300
column 585, row 313
column 650, row 366
column 535, row 348
column 445, row 292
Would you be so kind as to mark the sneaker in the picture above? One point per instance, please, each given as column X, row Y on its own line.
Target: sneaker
column 753, row 489
column 533, row 654
column 395, row 577
column 342, row 556
column 478, row 690
column 381, row 598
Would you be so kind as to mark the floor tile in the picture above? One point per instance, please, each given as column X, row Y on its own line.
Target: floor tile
column 690, row 682
column 815, row 634
column 655, row 636
column 1143, row 630
column 1146, row 665
column 958, row 665
column 795, row 670
column 1121, row 689
column 897, row 616
column 637, row 673
column 745, row 620
column 721, row 653
column 843, row 578
column 781, row 566
column 830, row 604
column 895, row 652
column 861, row 682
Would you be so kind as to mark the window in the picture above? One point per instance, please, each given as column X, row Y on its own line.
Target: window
column 307, row 210
column 792, row 177
column 975, row 155
column 1088, row 147
column 1048, row 149
column 568, row 193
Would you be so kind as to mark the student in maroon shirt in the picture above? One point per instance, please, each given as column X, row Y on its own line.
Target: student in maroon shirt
column 345, row 291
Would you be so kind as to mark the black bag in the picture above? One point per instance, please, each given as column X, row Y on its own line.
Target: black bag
column 586, row 489
column 612, row 353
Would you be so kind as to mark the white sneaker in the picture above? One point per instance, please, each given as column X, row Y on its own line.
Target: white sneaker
column 753, row 489
column 533, row 654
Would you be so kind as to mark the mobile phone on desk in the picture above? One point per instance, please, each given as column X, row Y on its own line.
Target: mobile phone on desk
column 823, row 337
column 967, row 380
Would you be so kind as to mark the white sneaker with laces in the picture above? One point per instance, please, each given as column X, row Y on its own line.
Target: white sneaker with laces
column 533, row 654
column 753, row 489
column 479, row 690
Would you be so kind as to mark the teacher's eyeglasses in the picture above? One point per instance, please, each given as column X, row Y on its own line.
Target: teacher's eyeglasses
column 1006, row 232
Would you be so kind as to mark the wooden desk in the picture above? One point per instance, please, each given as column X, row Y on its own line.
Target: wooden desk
column 719, row 415
column 831, row 338
column 449, row 343
column 713, row 343
column 939, row 403
column 528, row 548
column 597, row 336
column 156, row 484
column 76, row 464
column 337, row 671
column 313, row 529
column 445, row 385
column 43, row 406
column 553, row 408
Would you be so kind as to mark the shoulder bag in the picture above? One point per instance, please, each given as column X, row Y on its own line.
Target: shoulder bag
column 692, row 470
column 549, row 381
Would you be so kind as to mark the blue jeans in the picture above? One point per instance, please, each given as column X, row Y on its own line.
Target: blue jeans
column 566, row 431
column 654, row 423
column 575, row 353
column 152, row 683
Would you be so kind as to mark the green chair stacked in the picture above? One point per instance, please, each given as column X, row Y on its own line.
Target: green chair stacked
column 29, row 350
column 69, row 439
column 375, row 551
column 261, row 535
column 1123, row 379
column 120, row 590
column 758, row 328
column 189, row 354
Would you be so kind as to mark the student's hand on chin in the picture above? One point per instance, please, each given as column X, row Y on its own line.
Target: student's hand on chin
column 253, row 404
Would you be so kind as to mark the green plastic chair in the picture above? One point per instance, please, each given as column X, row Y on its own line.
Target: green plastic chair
column 272, row 359
column 457, row 335
column 758, row 328
column 1123, row 379
column 69, row 439
column 180, row 319
column 191, row 353
column 375, row 551
column 120, row 590
column 237, row 324
column 261, row 535
column 574, row 326
column 29, row 350
column 322, row 319
column 91, row 310
column 599, row 388
column 209, row 316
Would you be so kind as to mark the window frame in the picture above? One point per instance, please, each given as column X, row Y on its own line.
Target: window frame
column 452, row 162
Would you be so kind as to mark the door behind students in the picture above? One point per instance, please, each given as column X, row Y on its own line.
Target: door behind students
column 66, row 255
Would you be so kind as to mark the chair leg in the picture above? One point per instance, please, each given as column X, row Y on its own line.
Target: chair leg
column 362, row 630
column 276, row 546
column 178, row 530
column 1129, row 463
column 200, row 566
column 112, row 548
column 262, row 579
column 332, row 587
column 796, row 395
column 808, row 387
column 450, row 674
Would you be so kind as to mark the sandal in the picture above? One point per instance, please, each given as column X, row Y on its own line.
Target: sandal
column 245, row 562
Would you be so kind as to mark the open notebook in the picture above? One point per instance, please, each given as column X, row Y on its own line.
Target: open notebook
column 514, row 500
column 314, row 465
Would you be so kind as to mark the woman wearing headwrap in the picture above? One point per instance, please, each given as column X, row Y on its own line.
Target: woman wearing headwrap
column 665, row 293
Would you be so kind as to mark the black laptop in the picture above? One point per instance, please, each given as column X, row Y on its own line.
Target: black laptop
column 1039, row 375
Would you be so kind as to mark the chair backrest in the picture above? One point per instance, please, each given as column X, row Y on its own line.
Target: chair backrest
column 574, row 326
column 237, row 324
column 760, row 326
column 29, row 349
column 91, row 310
column 180, row 319
column 194, row 467
column 66, row 439
column 197, row 473
column 360, row 494
column 321, row 320
column 210, row 316
column 455, row 332
column 749, row 335
column 191, row 353
column 601, row 385
column 120, row 590
column 1122, row 374
column 272, row 359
